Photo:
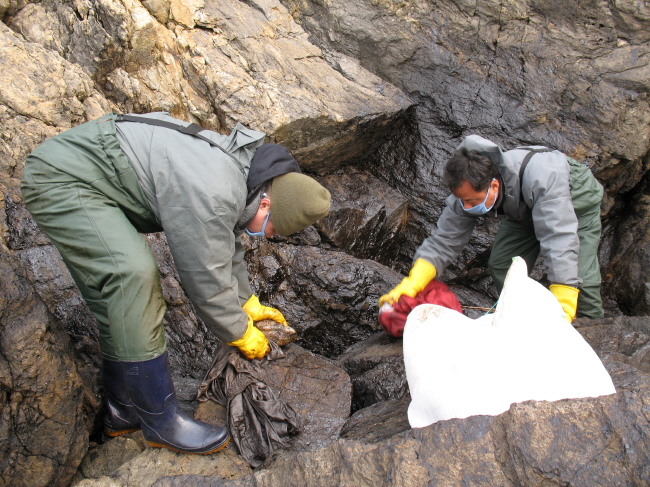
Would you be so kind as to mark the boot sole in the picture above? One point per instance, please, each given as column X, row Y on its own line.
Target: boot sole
column 120, row 433
column 160, row 445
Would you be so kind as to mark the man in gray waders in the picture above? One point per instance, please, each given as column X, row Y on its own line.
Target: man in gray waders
column 95, row 188
column 549, row 203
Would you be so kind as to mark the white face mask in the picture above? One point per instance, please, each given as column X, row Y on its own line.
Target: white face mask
column 481, row 209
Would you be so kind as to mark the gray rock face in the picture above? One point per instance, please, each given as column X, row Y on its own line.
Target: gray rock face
column 522, row 74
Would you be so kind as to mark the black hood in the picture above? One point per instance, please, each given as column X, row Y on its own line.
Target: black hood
column 269, row 161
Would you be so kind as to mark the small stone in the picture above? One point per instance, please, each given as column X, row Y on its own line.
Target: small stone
column 277, row 332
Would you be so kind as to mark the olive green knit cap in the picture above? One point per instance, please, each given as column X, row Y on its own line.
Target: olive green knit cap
column 297, row 201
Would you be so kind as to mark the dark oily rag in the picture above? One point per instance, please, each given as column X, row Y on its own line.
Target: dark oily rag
column 259, row 422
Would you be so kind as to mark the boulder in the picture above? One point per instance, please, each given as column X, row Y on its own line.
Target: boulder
column 146, row 468
column 46, row 412
column 376, row 366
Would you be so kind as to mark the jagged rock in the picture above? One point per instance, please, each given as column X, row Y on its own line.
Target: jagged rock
column 608, row 434
column 314, row 386
column 378, row 422
column 153, row 463
column 585, row 442
column 196, row 481
column 103, row 459
column 376, row 366
column 627, row 278
column 383, row 91
column 624, row 339
column 43, row 422
column 329, row 297
column 367, row 216
column 526, row 74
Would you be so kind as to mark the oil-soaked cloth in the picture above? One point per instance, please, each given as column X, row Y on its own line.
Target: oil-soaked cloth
column 259, row 422
column 436, row 292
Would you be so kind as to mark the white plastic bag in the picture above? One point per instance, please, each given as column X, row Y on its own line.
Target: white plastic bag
column 458, row 367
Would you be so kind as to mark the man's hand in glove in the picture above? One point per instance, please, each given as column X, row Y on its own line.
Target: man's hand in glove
column 422, row 273
column 253, row 344
column 257, row 312
column 567, row 296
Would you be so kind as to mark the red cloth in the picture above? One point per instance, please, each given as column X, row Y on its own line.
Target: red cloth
column 436, row 292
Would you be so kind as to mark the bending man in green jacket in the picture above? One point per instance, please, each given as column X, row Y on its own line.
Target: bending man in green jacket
column 95, row 188
column 549, row 204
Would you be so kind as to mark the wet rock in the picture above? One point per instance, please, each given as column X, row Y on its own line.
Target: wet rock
column 376, row 366
column 314, row 386
column 46, row 413
column 627, row 278
column 378, row 422
column 510, row 449
column 329, row 297
column 623, row 339
column 191, row 344
column 476, row 69
column 367, row 217
column 379, row 90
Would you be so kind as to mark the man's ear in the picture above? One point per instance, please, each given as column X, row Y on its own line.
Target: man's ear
column 265, row 203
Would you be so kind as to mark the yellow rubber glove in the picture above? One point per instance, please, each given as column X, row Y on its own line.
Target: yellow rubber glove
column 422, row 273
column 568, row 299
column 258, row 312
column 253, row 344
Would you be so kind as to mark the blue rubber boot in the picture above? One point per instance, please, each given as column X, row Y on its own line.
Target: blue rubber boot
column 121, row 416
column 163, row 424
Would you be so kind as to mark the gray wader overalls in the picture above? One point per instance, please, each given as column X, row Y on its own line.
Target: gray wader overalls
column 84, row 194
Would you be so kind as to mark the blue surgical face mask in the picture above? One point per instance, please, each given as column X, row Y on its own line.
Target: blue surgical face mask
column 480, row 209
column 261, row 232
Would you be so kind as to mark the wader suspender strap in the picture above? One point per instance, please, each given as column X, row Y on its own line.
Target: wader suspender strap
column 191, row 129
column 525, row 163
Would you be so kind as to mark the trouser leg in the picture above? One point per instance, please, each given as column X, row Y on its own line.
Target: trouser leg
column 512, row 240
column 111, row 261
column 587, row 195
column 590, row 303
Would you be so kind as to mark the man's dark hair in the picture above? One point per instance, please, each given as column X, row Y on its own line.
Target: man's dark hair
column 470, row 166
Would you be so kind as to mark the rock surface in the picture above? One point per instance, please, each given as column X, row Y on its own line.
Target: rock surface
column 43, row 424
